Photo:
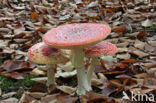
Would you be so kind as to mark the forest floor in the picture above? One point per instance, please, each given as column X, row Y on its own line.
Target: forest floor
column 133, row 23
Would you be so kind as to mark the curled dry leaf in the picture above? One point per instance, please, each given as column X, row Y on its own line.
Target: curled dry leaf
column 152, row 43
column 150, row 48
column 40, row 80
column 91, row 97
column 122, row 50
column 26, row 98
column 139, row 44
column 122, row 45
column 58, row 98
column 120, row 29
column 65, row 74
column 123, row 56
column 68, row 67
column 8, row 95
column 96, row 82
column 36, row 95
column 142, row 34
column 129, row 61
column 66, row 89
column 92, row 4
column 34, row 15
column 14, row 75
column 38, row 88
column 147, row 23
column 9, row 100
column 38, row 72
column 11, row 66
column 139, row 53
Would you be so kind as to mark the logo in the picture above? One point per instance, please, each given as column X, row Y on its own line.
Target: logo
column 138, row 96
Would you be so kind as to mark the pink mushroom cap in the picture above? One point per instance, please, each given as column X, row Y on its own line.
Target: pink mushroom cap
column 41, row 53
column 76, row 35
column 101, row 48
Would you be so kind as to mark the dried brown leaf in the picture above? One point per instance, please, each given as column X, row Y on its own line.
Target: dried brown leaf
column 120, row 29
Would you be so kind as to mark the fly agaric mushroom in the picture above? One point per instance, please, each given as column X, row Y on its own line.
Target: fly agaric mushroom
column 76, row 37
column 43, row 54
column 95, row 51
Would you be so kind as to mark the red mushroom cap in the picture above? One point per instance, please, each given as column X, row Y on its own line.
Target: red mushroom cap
column 41, row 53
column 101, row 48
column 76, row 35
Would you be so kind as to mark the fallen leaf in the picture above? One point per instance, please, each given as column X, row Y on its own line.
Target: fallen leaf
column 108, row 89
column 40, row 80
column 150, row 48
column 147, row 23
column 92, row 4
column 142, row 34
column 34, row 15
column 14, row 75
column 65, row 74
column 152, row 43
column 121, row 65
column 122, row 50
column 66, row 99
column 58, row 98
column 9, row 100
column 141, row 75
column 26, row 98
column 120, row 29
column 139, row 44
column 66, row 89
column 38, row 72
column 129, row 61
column 139, row 53
column 11, row 66
column 38, row 88
column 115, row 72
column 91, row 97
column 36, row 95
column 8, row 95
column 96, row 82
column 49, row 98
column 123, row 56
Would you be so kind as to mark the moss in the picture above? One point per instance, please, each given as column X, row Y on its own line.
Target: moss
column 18, row 95
column 8, row 84
column 27, row 82
column 150, row 29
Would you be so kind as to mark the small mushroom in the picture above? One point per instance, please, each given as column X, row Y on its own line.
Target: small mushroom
column 94, row 52
column 76, row 37
column 43, row 54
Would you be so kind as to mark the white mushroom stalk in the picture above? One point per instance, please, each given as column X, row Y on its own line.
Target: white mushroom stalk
column 51, row 74
column 95, row 51
column 78, row 62
column 94, row 63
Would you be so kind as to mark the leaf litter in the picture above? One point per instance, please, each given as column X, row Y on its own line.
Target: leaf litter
column 133, row 23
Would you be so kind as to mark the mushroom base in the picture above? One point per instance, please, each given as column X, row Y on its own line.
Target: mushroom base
column 78, row 63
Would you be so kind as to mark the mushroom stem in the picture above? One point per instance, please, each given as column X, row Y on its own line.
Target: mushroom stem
column 91, row 68
column 51, row 74
column 78, row 63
